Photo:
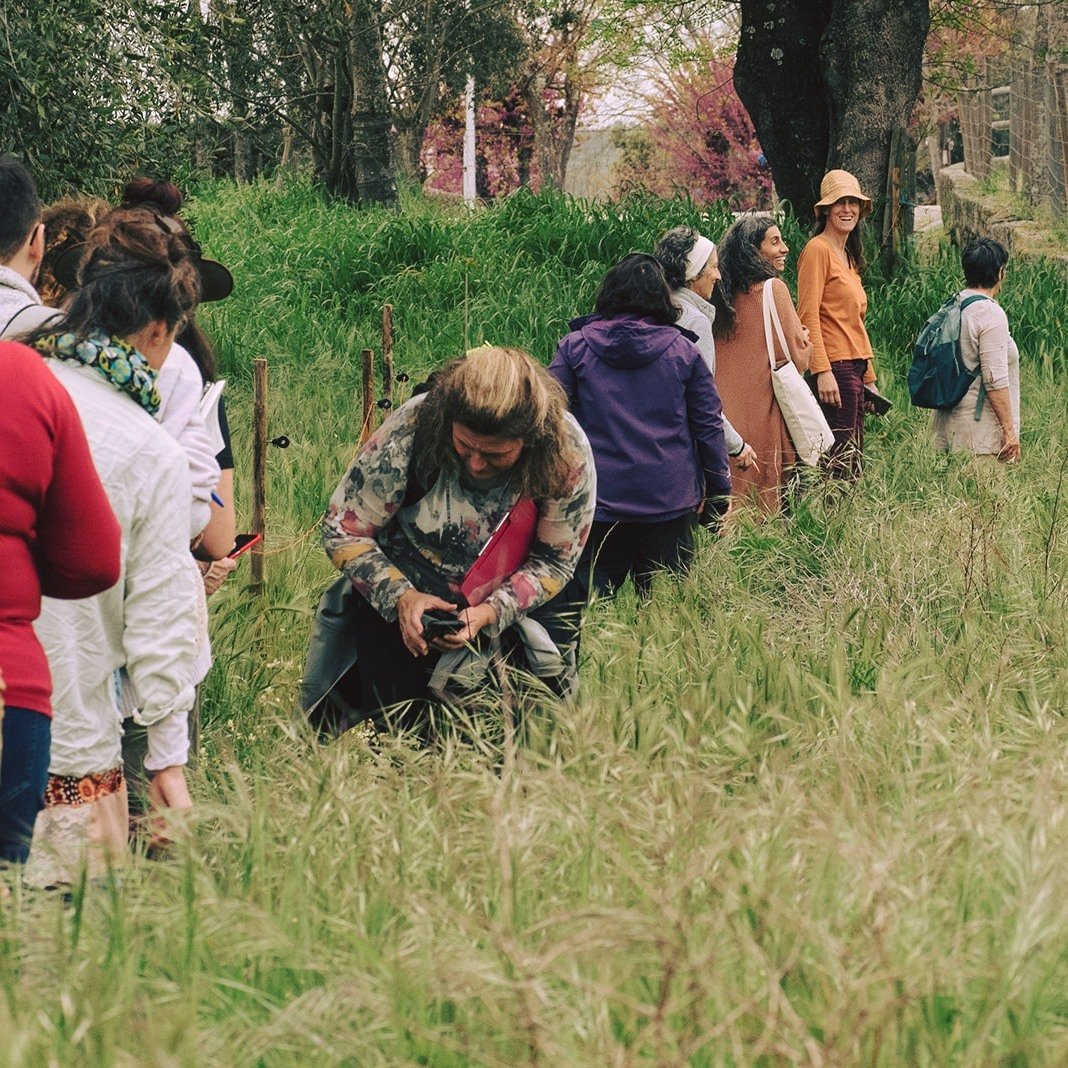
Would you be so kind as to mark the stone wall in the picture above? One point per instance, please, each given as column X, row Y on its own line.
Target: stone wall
column 971, row 209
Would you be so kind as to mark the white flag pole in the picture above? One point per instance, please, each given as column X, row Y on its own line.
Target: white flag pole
column 469, row 143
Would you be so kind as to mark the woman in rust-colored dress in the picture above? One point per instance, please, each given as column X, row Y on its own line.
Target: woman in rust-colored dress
column 751, row 252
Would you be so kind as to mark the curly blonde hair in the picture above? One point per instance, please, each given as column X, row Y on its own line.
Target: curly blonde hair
column 501, row 392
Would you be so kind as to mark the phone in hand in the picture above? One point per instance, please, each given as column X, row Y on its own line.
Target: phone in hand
column 242, row 544
column 437, row 622
column 880, row 404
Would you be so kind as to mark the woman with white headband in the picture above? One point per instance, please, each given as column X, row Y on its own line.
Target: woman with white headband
column 691, row 266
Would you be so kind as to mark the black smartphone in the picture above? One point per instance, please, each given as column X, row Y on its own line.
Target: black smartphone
column 242, row 543
column 880, row 403
column 437, row 622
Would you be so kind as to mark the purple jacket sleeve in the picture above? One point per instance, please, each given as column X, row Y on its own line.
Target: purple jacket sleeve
column 705, row 412
column 561, row 370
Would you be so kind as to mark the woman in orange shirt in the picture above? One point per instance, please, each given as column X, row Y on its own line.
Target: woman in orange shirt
column 832, row 303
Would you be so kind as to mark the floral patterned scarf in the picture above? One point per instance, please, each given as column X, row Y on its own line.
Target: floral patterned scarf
column 121, row 364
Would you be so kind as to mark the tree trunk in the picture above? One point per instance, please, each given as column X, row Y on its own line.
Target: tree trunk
column 778, row 78
column 554, row 131
column 826, row 83
column 408, row 143
column 369, row 175
column 872, row 56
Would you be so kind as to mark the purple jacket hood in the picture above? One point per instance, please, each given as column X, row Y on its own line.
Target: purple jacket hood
column 627, row 341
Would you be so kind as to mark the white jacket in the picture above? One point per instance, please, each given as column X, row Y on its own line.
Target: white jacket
column 147, row 621
column 697, row 316
column 180, row 387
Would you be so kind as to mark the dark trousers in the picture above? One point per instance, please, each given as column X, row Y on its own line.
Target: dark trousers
column 846, row 422
column 387, row 673
column 616, row 550
column 23, row 777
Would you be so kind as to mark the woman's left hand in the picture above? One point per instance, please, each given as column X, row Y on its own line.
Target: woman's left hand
column 482, row 615
column 747, row 458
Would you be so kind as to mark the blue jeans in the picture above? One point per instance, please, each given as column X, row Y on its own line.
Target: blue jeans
column 23, row 777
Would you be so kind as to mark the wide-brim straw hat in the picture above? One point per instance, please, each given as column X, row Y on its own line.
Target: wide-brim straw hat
column 838, row 184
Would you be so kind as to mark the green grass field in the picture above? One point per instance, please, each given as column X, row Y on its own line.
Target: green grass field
column 812, row 806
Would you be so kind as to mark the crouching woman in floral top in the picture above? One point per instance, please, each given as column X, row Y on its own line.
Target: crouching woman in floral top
column 424, row 497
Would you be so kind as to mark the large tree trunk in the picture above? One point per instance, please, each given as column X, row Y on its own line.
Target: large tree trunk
column 778, row 79
column 827, row 83
column 554, row 130
column 369, row 171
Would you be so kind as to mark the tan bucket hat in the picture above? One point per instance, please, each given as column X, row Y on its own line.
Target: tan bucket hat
column 838, row 184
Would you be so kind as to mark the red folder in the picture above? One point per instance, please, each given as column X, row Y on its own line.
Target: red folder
column 504, row 554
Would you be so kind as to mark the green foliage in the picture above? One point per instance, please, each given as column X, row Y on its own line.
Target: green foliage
column 808, row 808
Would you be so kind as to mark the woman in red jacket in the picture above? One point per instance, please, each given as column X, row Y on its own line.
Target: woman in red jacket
column 58, row 537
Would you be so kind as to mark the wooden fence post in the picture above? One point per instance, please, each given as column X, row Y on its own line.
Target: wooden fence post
column 367, row 427
column 259, row 471
column 387, row 354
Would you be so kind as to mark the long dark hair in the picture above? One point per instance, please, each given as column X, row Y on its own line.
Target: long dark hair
column 740, row 267
column 501, row 392
column 135, row 270
column 854, row 242
column 637, row 286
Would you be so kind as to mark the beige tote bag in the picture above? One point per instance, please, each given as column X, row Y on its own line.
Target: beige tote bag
column 801, row 412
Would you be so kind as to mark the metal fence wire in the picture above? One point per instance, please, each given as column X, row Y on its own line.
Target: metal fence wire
column 1016, row 105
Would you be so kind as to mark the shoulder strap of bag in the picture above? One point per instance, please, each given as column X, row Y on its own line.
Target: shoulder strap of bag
column 972, row 299
column 981, row 398
column 7, row 331
column 771, row 318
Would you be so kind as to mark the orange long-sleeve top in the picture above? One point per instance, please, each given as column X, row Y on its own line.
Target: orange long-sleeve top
column 832, row 303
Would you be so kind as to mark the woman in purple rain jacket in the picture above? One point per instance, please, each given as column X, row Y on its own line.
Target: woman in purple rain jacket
column 646, row 399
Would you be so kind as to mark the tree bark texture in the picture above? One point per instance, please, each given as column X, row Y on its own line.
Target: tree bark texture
column 826, row 83
column 350, row 124
column 369, row 171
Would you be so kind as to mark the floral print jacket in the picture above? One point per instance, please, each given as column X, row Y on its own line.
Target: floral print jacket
column 384, row 545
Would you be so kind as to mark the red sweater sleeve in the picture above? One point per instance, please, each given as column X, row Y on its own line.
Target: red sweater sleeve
column 78, row 542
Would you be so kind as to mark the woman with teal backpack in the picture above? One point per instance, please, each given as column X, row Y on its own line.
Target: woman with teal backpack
column 986, row 422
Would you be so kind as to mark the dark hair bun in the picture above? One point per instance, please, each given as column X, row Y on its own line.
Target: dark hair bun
column 143, row 191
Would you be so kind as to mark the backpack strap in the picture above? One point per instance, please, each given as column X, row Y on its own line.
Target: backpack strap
column 981, row 399
column 38, row 320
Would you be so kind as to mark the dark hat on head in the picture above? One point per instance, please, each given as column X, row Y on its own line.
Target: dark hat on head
column 216, row 282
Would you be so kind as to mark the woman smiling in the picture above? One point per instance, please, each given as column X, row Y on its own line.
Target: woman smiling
column 832, row 303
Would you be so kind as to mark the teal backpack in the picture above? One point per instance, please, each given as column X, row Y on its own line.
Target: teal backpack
column 938, row 377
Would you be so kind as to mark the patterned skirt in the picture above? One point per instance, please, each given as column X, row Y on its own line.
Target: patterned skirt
column 85, row 823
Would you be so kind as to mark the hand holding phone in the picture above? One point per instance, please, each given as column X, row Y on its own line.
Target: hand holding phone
column 242, row 544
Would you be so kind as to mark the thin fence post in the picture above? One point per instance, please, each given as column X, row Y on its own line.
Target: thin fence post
column 387, row 354
column 259, row 471
column 367, row 427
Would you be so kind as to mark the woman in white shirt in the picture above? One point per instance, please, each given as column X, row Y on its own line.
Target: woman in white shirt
column 987, row 419
column 139, row 281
